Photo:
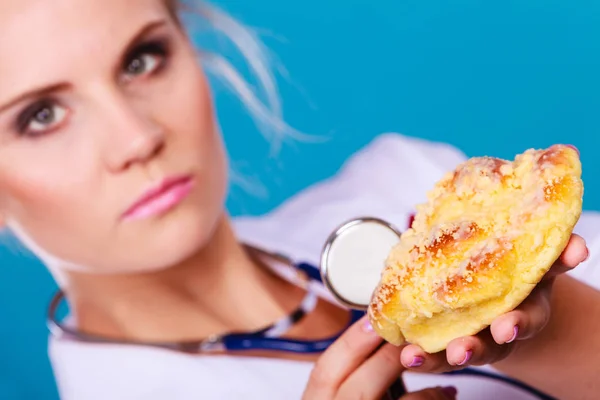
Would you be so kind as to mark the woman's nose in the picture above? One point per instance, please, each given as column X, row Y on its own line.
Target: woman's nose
column 134, row 138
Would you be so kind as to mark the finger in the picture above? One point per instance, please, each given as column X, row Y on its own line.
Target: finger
column 445, row 393
column 526, row 320
column 356, row 344
column 574, row 254
column 414, row 358
column 374, row 376
column 480, row 349
column 470, row 350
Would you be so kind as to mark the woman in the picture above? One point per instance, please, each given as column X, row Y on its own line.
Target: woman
column 112, row 171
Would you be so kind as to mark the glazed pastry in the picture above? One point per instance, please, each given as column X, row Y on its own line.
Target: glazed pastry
column 488, row 233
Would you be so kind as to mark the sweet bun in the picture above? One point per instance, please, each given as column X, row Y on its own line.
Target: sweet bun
column 488, row 233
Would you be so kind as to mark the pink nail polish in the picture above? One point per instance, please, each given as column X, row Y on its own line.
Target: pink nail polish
column 467, row 358
column 515, row 334
column 367, row 327
column 416, row 362
column 449, row 392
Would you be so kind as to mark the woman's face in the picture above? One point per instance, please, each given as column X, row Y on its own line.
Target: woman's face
column 102, row 101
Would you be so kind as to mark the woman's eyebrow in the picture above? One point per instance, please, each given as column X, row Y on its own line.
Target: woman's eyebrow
column 36, row 92
column 147, row 28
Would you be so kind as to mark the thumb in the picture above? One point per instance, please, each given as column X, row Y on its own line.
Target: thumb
column 438, row 393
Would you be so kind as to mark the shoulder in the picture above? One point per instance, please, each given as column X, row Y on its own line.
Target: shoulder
column 384, row 179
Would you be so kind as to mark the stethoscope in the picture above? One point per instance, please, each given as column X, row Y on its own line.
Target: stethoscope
column 351, row 263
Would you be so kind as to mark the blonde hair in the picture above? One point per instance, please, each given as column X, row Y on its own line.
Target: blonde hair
column 264, row 105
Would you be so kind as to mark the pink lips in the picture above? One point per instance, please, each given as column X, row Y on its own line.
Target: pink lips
column 160, row 199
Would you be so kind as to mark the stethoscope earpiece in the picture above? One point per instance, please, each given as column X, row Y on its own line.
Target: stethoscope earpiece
column 353, row 258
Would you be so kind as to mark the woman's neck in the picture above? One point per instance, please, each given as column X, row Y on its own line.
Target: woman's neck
column 220, row 289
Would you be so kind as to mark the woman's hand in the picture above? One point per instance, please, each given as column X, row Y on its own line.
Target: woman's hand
column 357, row 366
column 497, row 342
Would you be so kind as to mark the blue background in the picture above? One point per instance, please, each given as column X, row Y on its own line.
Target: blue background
column 489, row 77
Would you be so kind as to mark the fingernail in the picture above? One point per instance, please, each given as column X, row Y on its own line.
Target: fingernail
column 416, row 362
column 468, row 356
column 574, row 148
column 367, row 327
column 450, row 392
column 515, row 334
column 587, row 254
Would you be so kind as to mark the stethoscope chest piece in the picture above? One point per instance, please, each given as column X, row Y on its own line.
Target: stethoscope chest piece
column 353, row 259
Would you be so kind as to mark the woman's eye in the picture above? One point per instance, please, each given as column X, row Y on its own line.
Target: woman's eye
column 41, row 118
column 146, row 59
column 142, row 64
